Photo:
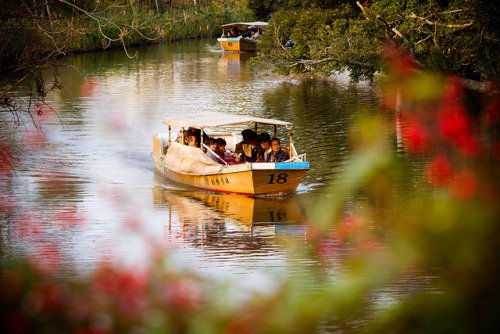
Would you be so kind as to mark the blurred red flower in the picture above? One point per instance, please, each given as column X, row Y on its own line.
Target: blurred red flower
column 46, row 258
column 183, row 294
column 416, row 138
column 29, row 225
column 463, row 185
column 453, row 123
column 33, row 138
column 438, row 171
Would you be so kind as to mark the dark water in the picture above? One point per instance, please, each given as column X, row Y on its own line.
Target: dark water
column 90, row 193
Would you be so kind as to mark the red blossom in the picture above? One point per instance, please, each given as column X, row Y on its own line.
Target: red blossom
column 42, row 113
column 238, row 326
column 132, row 222
column 390, row 50
column 47, row 297
column 367, row 244
column 90, row 88
column 454, row 123
column 8, row 204
column 325, row 249
column 453, row 90
column 463, row 185
column 468, row 145
column 350, row 224
column 29, row 225
column 183, row 294
column 46, row 258
column 416, row 137
column 6, row 160
column 69, row 216
column 438, row 171
column 33, row 138
column 403, row 66
column 127, row 285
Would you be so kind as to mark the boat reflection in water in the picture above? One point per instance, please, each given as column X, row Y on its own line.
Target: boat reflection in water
column 229, row 220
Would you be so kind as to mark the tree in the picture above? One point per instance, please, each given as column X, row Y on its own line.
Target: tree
column 460, row 37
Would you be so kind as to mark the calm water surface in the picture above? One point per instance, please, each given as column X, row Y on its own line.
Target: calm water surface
column 91, row 189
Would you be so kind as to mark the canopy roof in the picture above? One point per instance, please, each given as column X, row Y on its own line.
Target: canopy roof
column 216, row 119
column 238, row 24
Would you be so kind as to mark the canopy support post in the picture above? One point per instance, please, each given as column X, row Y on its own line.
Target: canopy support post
column 201, row 138
column 291, row 144
column 182, row 137
column 169, row 140
column 274, row 131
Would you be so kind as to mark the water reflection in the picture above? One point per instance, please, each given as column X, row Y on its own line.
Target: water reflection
column 230, row 222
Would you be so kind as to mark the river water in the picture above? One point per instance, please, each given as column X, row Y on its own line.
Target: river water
column 89, row 194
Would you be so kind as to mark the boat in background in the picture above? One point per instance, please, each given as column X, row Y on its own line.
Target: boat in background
column 193, row 167
column 240, row 43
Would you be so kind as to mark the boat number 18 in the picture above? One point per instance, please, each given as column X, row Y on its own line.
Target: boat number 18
column 280, row 179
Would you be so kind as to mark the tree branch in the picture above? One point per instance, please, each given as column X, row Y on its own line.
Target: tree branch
column 429, row 22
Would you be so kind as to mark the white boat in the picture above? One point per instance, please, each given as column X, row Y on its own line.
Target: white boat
column 193, row 167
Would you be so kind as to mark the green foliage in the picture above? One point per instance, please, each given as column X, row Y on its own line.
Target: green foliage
column 261, row 9
column 459, row 37
column 337, row 35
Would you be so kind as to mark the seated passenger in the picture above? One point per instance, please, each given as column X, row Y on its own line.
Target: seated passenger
column 211, row 143
column 248, row 33
column 221, row 148
column 265, row 147
column 246, row 150
column 192, row 141
column 235, row 32
column 277, row 155
column 255, row 34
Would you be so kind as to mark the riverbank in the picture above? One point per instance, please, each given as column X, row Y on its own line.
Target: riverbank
column 29, row 41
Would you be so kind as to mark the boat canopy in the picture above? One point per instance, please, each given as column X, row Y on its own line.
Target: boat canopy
column 238, row 24
column 216, row 119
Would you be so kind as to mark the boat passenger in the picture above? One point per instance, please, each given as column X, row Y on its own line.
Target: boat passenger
column 211, row 143
column 255, row 34
column 188, row 133
column 192, row 141
column 246, row 150
column 265, row 147
column 235, row 32
column 221, row 148
column 277, row 155
column 248, row 33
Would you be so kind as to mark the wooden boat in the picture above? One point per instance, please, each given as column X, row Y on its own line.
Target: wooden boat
column 191, row 166
column 239, row 44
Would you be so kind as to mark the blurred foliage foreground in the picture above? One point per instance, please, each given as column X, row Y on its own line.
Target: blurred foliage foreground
column 368, row 237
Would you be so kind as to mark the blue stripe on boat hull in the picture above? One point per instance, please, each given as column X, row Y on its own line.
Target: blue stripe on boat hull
column 292, row 165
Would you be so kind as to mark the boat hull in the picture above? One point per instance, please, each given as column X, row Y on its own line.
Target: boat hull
column 237, row 44
column 254, row 178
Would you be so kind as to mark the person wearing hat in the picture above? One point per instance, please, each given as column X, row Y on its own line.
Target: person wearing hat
column 246, row 150
column 255, row 34
column 248, row 33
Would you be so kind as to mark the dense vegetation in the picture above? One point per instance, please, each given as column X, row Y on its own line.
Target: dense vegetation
column 35, row 34
column 459, row 37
